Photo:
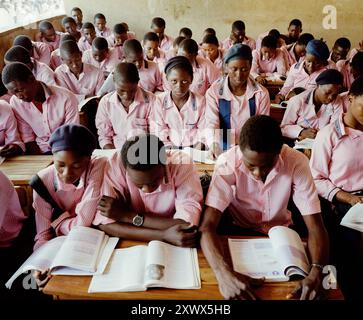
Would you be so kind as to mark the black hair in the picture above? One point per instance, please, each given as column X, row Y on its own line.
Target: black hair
column 189, row 46
column 143, row 153
column 67, row 37
column 24, row 41
column 76, row 9
column 119, row 28
column 69, row 47
column 16, row 71
column 238, row 25
column 179, row 62
column 210, row 31
column 125, row 71
column 304, row 39
column 295, row 22
column 357, row 62
column 298, row 90
column 261, row 133
column 343, row 43
column 158, row 22
column 178, row 40
column 45, row 25
column 187, row 31
column 269, row 42
column 99, row 16
column 3, row 89
column 100, row 43
column 357, row 87
column 68, row 20
column 132, row 46
column 17, row 54
column 88, row 25
column 210, row 39
column 151, row 36
column 275, row 33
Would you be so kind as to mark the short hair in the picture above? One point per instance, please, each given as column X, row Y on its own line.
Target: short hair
column 45, row 25
column 189, row 46
column 343, row 43
column 210, row 31
column 119, row 28
column 69, row 47
column 99, row 16
column 125, row 71
column 179, row 62
column 269, row 42
column 67, row 37
column 238, row 25
column 68, row 20
column 3, row 89
column 275, row 33
column 151, row 36
column 158, row 22
column 357, row 87
column 357, row 62
column 210, row 39
column 298, row 90
column 261, row 133
column 17, row 54
column 178, row 40
column 132, row 46
column 24, row 41
column 100, row 43
column 143, row 153
column 88, row 25
column 187, row 31
column 304, row 39
column 16, row 71
column 295, row 22
column 76, row 9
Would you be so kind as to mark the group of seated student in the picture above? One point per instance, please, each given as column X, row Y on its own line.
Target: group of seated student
column 162, row 94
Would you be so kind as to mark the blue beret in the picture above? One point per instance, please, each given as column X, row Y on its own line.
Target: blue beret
column 238, row 51
column 73, row 137
column 330, row 76
column 318, row 48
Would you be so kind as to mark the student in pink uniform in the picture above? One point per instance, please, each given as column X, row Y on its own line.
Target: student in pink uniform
column 294, row 30
column 124, row 112
column 83, row 79
column 100, row 23
column 40, row 70
column 39, row 109
column 74, row 183
column 48, row 35
column 340, row 50
column 351, row 69
column 177, row 116
column 185, row 32
column 158, row 26
column 273, row 32
column 336, row 165
column 232, row 100
column 172, row 52
column 55, row 58
column 211, row 50
column 152, row 52
column 10, row 142
column 117, row 39
column 70, row 26
column 304, row 73
column 39, row 51
column 150, row 194
column 295, row 52
column 238, row 35
column 267, row 61
column 313, row 109
column 204, row 71
column 88, row 35
column 77, row 15
column 251, row 187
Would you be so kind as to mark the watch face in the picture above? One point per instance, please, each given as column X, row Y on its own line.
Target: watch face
column 138, row 220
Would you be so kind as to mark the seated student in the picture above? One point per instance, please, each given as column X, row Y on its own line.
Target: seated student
column 102, row 30
column 101, row 56
column 158, row 26
column 117, row 39
column 340, row 50
column 267, row 61
column 312, row 110
column 10, row 142
column 273, row 32
column 295, row 52
column 39, row 51
column 88, row 35
column 152, row 52
column 177, row 116
column 211, row 50
column 150, row 194
column 293, row 32
column 124, row 112
column 232, row 100
column 130, row 34
column 40, row 70
column 83, row 79
column 204, row 71
column 55, row 58
column 48, row 35
column 39, row 109
column 304, row 73
column 336, row 165
column 238, row 35
column 77, row 15
column 74, row 182
column 174, row 50
column 186, row 33
column 70, row 26
column 351, row 69
column 251, row 186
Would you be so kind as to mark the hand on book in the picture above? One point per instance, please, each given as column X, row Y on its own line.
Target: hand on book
column 41, row 278
column 309, row 288
column 182, row 234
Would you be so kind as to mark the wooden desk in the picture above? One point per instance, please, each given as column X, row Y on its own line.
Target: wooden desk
column 273, row 87
column 202, row 168
column 76, row 287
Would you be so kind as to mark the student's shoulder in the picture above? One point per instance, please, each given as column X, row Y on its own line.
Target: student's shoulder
column 4, row 180
column 91, row 69
column 61, row 92
column 5, row 108
column 47, row 174
column 61, row 69
column 293, row 158
column 108, row 98
column 98, row 163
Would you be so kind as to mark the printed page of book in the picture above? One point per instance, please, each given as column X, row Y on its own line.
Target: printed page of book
column 105, row 152
column 289, row 250
column 198, row 155
column 256, row 258
column 304, row 144
column 124, row 272
column 354, row 218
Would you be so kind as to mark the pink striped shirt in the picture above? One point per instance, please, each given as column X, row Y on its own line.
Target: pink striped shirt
column 105, row 33
column 41, row 52
column 300, row 114
column 268, row 67
column 240, row 110
column 83, row 44
column 106, row 65
column 179, row 196
column 115, row 125
column 55, row 59
column 43, row 73
column 336, row 159
column 60, row 107
column 11, row 214
column 258, row 205
column 178, row 127
column 344, row 67
column 227, row 43
column 53, row 44
column 166, row 43
column 78, row 202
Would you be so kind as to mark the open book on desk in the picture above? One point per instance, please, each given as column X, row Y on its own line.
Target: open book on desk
column 84, row 251
column 306, row 143
column 198, row 155
column 277, row 258
column 157, row 264
column 85, row 101
column 354, row 218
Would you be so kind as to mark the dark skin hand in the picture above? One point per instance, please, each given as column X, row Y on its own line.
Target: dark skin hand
column 10, row 150
column 32, row 148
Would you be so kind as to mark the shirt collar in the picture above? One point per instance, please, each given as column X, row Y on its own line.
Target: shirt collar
column 251, row 88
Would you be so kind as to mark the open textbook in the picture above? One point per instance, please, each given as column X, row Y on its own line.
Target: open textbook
column 306, row 143
column 276, row 258
column 84, row 251
column 354, row 218
column 198, row 155
column 157, row 264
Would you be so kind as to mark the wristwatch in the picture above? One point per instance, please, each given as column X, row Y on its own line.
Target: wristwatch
column 138, row 220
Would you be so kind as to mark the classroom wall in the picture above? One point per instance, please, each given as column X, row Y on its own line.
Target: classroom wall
column 259, row 15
